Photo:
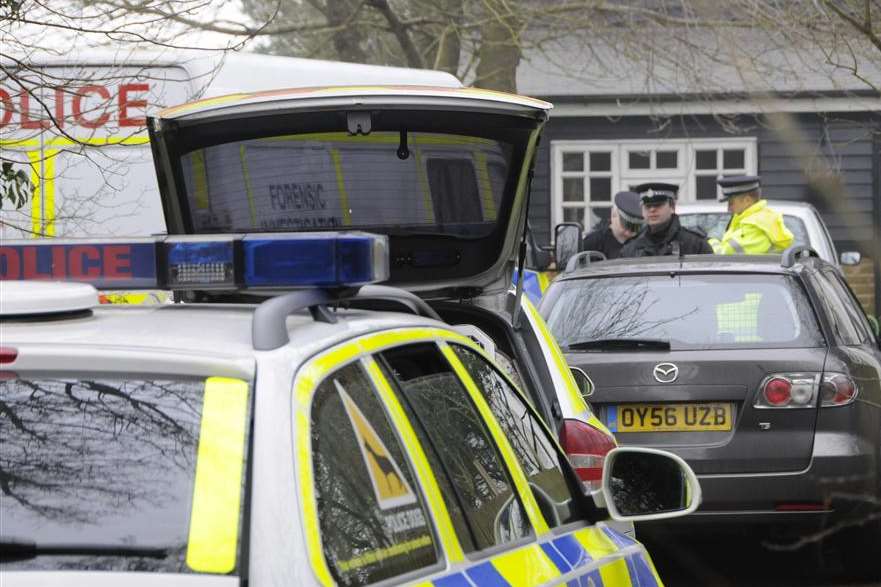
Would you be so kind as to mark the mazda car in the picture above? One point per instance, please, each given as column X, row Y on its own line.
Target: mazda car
column 761, row 371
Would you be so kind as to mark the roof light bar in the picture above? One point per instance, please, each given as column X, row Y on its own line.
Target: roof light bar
column 227, row 262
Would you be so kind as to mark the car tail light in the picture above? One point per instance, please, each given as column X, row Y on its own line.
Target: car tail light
column 837, row 389
column 586, row 447
column 7, row 354
column 778, row 391
column 788, row 390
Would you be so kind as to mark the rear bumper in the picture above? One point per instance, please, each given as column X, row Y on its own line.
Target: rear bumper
column 841, row 480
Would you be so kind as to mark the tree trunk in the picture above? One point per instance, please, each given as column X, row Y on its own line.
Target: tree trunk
column 499, row 49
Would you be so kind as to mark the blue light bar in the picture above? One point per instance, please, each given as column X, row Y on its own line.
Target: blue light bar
column 227, row 262
column 201, row 262
column 318, row 259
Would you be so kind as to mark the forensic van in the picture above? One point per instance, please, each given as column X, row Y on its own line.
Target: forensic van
column 338, row 432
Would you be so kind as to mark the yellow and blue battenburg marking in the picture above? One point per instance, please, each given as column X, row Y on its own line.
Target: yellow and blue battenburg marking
column 598, row 557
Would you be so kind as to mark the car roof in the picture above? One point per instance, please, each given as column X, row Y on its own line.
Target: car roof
column 690, row 264
column 206, row 329
column 783, row 206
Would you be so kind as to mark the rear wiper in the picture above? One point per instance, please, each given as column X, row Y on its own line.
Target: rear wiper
column 16, row 549
column 648, row 344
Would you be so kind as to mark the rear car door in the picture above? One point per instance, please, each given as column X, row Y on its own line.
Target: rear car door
column 441, row 499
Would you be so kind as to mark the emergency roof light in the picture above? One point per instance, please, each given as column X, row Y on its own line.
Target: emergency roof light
column 243, row 261
column 28, row 298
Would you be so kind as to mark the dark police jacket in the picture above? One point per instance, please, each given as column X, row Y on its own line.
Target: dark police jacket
column 604, row 241
column 674, row 240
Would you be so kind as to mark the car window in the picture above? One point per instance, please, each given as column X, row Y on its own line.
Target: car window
column 475, row 484
column 107, row 460
column 847, row 319
column 688, row 311
column 715, row 224
column 372, row 518
column 293, row 182
column 534, row 450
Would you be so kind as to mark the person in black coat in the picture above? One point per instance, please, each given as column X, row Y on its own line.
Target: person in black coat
column 662, row 233
column 625, row 222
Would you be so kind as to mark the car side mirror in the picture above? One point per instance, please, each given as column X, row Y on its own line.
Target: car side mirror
column 642, row 484
column 567, row 241
column 850, row 258
column 584, row 382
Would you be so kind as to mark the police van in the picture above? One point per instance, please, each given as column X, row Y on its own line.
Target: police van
column 310, row 439
column 75, row 124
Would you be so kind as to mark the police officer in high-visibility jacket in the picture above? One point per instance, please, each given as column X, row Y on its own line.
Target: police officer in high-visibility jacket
column 755, row 229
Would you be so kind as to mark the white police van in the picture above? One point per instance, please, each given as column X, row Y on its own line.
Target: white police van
column 292, row 442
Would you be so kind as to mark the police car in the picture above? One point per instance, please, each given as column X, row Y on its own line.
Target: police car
column 443, row 172
column 297, row 441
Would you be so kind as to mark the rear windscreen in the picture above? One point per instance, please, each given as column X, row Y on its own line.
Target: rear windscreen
column 105, row 469
column 690, row 311
column 427, row 182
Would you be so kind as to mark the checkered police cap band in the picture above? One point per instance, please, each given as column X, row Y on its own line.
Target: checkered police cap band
column 740, row 188
column 629, row 218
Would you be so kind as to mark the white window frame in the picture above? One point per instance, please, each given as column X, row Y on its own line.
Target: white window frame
column 622, row 178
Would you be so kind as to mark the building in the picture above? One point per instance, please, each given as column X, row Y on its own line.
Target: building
column 808, row 124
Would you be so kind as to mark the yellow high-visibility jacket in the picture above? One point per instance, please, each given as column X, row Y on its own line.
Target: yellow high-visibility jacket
column 755, row 231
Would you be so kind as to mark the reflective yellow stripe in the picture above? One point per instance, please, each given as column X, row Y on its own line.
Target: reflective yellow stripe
column 517, row 474
column 58, row 142
column 423, row 469
column 526, row 566
column 202, row 103
column 341, row 186
column 49, row 192
column 200, row 179
column 543, row 281
column 427, row 202
column 557, row 360
column 600, row 547
column 486, row 189
column 214, row 519
column 37, row 199
column 244, row 158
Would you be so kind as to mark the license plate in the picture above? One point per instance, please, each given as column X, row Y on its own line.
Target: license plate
column 669, row 417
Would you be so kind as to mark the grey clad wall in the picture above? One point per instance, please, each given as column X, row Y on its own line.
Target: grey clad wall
column 845, row 141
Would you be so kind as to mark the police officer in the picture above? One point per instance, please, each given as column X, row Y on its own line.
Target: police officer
column 662, row 233
column 626, row 220
column 755, row 229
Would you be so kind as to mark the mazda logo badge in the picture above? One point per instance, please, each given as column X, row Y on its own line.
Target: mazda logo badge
column 665, row 372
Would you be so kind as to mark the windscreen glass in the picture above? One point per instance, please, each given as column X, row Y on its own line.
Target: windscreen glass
column 104, row 468
column 393, row 181
column 688, row 311
column 715, row 224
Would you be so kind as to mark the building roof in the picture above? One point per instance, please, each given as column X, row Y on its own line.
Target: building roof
column 698, row 63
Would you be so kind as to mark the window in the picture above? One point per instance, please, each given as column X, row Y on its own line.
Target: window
column 846, row 318
column 100, row 459
column 454, row 190
column 710, row 162
column 373, row 522
column 475, row 485
column 587, row 179
column 535, row 452
column 587, row 173
column 690, row 311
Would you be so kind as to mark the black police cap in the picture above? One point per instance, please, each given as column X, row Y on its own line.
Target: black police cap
column 656, row 192
column 628, row 206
